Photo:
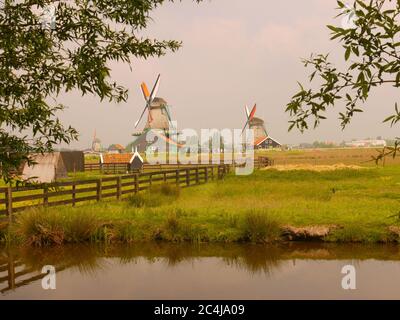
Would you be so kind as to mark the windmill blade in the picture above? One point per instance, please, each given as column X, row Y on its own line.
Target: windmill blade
column 167, row 110
column 155, row 89
column 250, row 117
column 141, row 116
column 149, row 97
column 247, row 111
column 145, row 91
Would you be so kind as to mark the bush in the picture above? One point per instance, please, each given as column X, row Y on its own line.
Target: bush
column 42, row 227
column 259, row 227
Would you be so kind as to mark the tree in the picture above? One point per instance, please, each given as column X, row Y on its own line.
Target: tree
column 371, row 43
column 39, row 59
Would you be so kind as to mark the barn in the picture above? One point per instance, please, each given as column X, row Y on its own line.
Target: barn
column 49, row 168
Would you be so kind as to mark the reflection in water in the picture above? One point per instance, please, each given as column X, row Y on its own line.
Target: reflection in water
column 160, row 270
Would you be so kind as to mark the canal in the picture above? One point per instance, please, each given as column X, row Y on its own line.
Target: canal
column 176, row 271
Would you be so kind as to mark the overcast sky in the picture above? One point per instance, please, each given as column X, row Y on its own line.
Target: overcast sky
column 235, row 52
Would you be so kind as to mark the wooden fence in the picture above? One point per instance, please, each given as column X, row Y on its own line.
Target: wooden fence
column 116, row 168
column 17, row 199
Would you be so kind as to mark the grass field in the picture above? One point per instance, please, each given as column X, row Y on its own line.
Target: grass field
column 362, row 203
column 358, row 156
column 313, row 156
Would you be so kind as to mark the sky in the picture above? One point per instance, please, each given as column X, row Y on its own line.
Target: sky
column 235, row 52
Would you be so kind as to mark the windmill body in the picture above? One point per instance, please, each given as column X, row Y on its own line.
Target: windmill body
column 158, row 118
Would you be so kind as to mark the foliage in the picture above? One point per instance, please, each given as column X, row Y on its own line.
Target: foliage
column 371, row 50
column 39, row 60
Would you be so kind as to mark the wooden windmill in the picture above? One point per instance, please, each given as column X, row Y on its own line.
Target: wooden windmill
column 262, row 140
column 158, row 118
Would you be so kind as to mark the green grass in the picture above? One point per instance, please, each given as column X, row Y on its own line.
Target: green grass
column 362, row 203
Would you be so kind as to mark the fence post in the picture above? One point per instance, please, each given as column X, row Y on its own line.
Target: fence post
column 177, row 178
column 45, row 195
column 98, row 193
column 206, row 174
column 188, row 177
column 165, row 177
column 151, row 179
column 136, row 180
column 8, row 193
column 73, row 193
column 197, row 175
column 118, row 187
column 212, row 172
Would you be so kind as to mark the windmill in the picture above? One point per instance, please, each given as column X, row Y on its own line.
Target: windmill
column 261, row 137
column 159, row 118
column 159, row 115
column 96, row 143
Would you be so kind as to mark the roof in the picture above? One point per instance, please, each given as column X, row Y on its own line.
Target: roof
column 116, row 147
column 157, row 102
column 261, row 140
column 256, row 122
column 116, row 158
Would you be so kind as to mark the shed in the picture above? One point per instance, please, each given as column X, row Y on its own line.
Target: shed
column 49, row 167
column 136, row 162
column 74, row 161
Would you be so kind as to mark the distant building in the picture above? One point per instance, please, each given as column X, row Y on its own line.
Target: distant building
column 267, row 143
column 131, row 161
column 366, row 143
column 116, row 148
column 96, row 144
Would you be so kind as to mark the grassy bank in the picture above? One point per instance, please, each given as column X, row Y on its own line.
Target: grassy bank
column 362, row 204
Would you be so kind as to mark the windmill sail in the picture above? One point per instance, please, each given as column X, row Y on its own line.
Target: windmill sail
column 250, row 116
column 148, row 97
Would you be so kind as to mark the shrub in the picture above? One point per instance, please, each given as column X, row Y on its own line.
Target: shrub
column 259, row 227
column 42, row 227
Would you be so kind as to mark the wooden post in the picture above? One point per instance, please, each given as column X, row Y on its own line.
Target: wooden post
column 188, row 177
column 118, row 188
column 73, row 193
column 177, row 178
column 9, row 203
column 136, row 180
column 151, row 179
column 98, row 192
column 206, row 174
column 165, row 177
column 45, row 195
column 197, row 175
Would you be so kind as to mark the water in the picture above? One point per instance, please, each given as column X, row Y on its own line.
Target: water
column 165, row 271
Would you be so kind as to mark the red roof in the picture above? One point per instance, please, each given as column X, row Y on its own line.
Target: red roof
column 117, row 158
column 260, row 140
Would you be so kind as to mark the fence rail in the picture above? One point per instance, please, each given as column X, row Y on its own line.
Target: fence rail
column 16, row 199
column 115, row 168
